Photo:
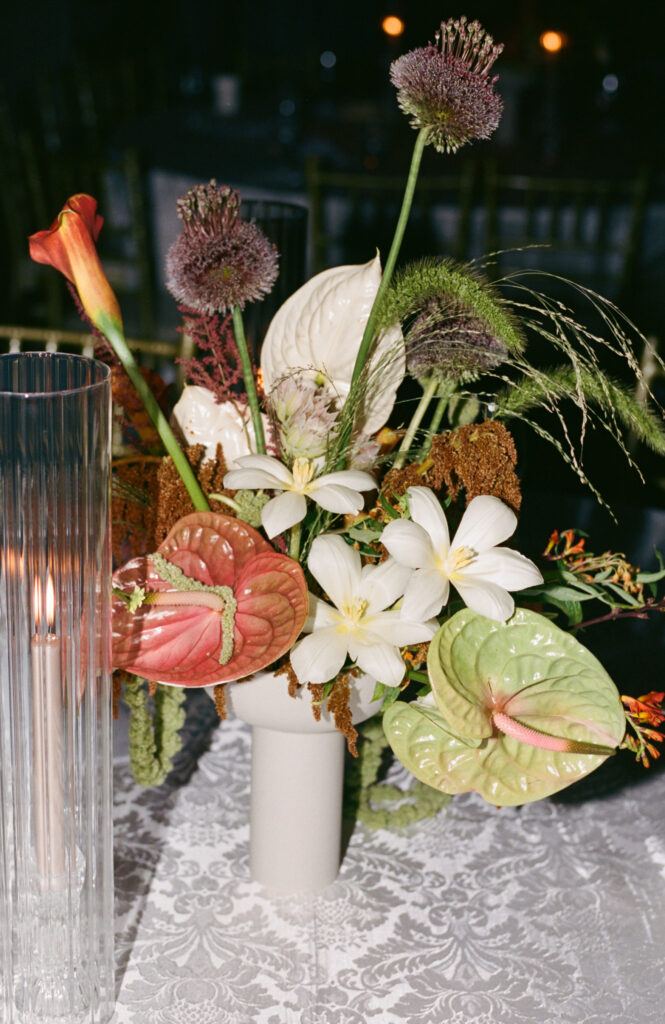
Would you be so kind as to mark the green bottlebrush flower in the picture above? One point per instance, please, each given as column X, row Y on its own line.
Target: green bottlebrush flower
column 219, row 261
column 445, row 86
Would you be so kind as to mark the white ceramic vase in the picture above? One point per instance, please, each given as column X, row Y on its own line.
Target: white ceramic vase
column 297, row 780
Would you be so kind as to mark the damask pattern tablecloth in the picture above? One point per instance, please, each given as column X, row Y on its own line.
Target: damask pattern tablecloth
column 552, row 913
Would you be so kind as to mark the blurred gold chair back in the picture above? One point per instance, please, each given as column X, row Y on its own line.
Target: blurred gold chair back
column 352, row 214
column 588, row 230
column 158, row 355
column 33, row 188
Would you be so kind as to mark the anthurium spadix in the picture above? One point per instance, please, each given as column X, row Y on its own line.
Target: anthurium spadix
column 518, row 710
column 318, row 331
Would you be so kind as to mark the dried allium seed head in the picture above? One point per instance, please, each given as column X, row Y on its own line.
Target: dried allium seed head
column 219, row 261
column 445, row 86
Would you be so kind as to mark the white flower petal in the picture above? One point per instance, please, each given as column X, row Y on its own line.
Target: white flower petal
column 426, row 594
column 282, row 512
column 356, row 479
column 320, row 615
column 504, row 566
column 337, row 499
column 381, row 585
column 319, row 657
column 204, row 420
column 319, row 329
column 336, row 567
column 426, row 511
column 408, row 543
column 382, row 661
column 488, row 599
column 268, row 464
column 252, row 479
column 394, row 629
column 486, row 522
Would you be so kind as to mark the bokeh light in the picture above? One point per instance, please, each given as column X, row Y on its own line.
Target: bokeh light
column 392, row 25
column 552, row 41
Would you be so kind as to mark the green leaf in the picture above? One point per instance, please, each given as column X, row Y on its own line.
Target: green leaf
column 561, row 593
column 650, row 577
column 532, row 671
column 379, row 690
column 391, row 695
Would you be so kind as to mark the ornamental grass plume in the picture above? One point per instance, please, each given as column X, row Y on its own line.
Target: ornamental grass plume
column 455, row 325
column 219, row 261
column 445, row 86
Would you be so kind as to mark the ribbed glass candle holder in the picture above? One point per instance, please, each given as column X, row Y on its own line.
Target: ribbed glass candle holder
column 56, row 851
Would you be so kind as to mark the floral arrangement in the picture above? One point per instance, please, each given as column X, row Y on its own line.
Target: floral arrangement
column 298, row 517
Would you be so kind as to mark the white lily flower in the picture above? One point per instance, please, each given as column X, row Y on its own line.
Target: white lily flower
column 317, row 333
column 204, row 420
column 481, row 572
column 359, row 625
column 335, row 492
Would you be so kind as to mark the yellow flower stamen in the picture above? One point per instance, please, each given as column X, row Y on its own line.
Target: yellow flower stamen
column 459, row 559
column 303, row 471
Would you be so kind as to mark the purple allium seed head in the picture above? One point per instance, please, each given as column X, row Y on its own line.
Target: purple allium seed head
column 445, row 86
column 219, row 261
column 447, row 340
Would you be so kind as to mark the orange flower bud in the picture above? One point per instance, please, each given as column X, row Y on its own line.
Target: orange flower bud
column 69, row 246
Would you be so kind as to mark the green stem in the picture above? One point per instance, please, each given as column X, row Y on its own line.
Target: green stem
column 440, row 409
column 419, row 677
column 248, row 378
column 294, row 541
column 416, row 419
column 115, row 335
column 389, row 267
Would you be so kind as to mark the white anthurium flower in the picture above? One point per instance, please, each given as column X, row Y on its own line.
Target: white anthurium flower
column 318, row 330
column 361, row 623
column 335, row 492
column 204, row 420
column 481, row 572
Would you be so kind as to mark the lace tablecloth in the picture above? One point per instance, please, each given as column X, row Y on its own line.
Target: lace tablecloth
column 552, row 913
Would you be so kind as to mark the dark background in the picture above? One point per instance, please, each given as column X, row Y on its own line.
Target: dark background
column 81, row 82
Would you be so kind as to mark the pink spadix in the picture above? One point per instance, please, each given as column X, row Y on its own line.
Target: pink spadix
column 511, row 727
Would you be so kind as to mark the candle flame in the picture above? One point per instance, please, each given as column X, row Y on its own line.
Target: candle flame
column 50, row 604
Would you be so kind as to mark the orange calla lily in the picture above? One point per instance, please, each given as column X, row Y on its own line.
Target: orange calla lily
column 69, row 246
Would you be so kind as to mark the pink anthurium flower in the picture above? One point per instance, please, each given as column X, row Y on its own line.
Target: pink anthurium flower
column 215, row 602
column 69, row 245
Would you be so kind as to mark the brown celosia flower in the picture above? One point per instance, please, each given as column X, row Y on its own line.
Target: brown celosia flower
column 445, row 86
column 316, row 690
column 219, row 698
column 286, row 669
column 133, row 506
column 173, row 501
column 338, row 706
column 479, row 459
column 397, row 482
column 138, row 429
column 219, row 261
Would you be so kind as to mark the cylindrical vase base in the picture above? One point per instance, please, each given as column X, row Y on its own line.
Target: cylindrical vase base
column 296, row 809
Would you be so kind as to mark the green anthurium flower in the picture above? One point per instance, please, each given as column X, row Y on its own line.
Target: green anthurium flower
column 518, row 711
